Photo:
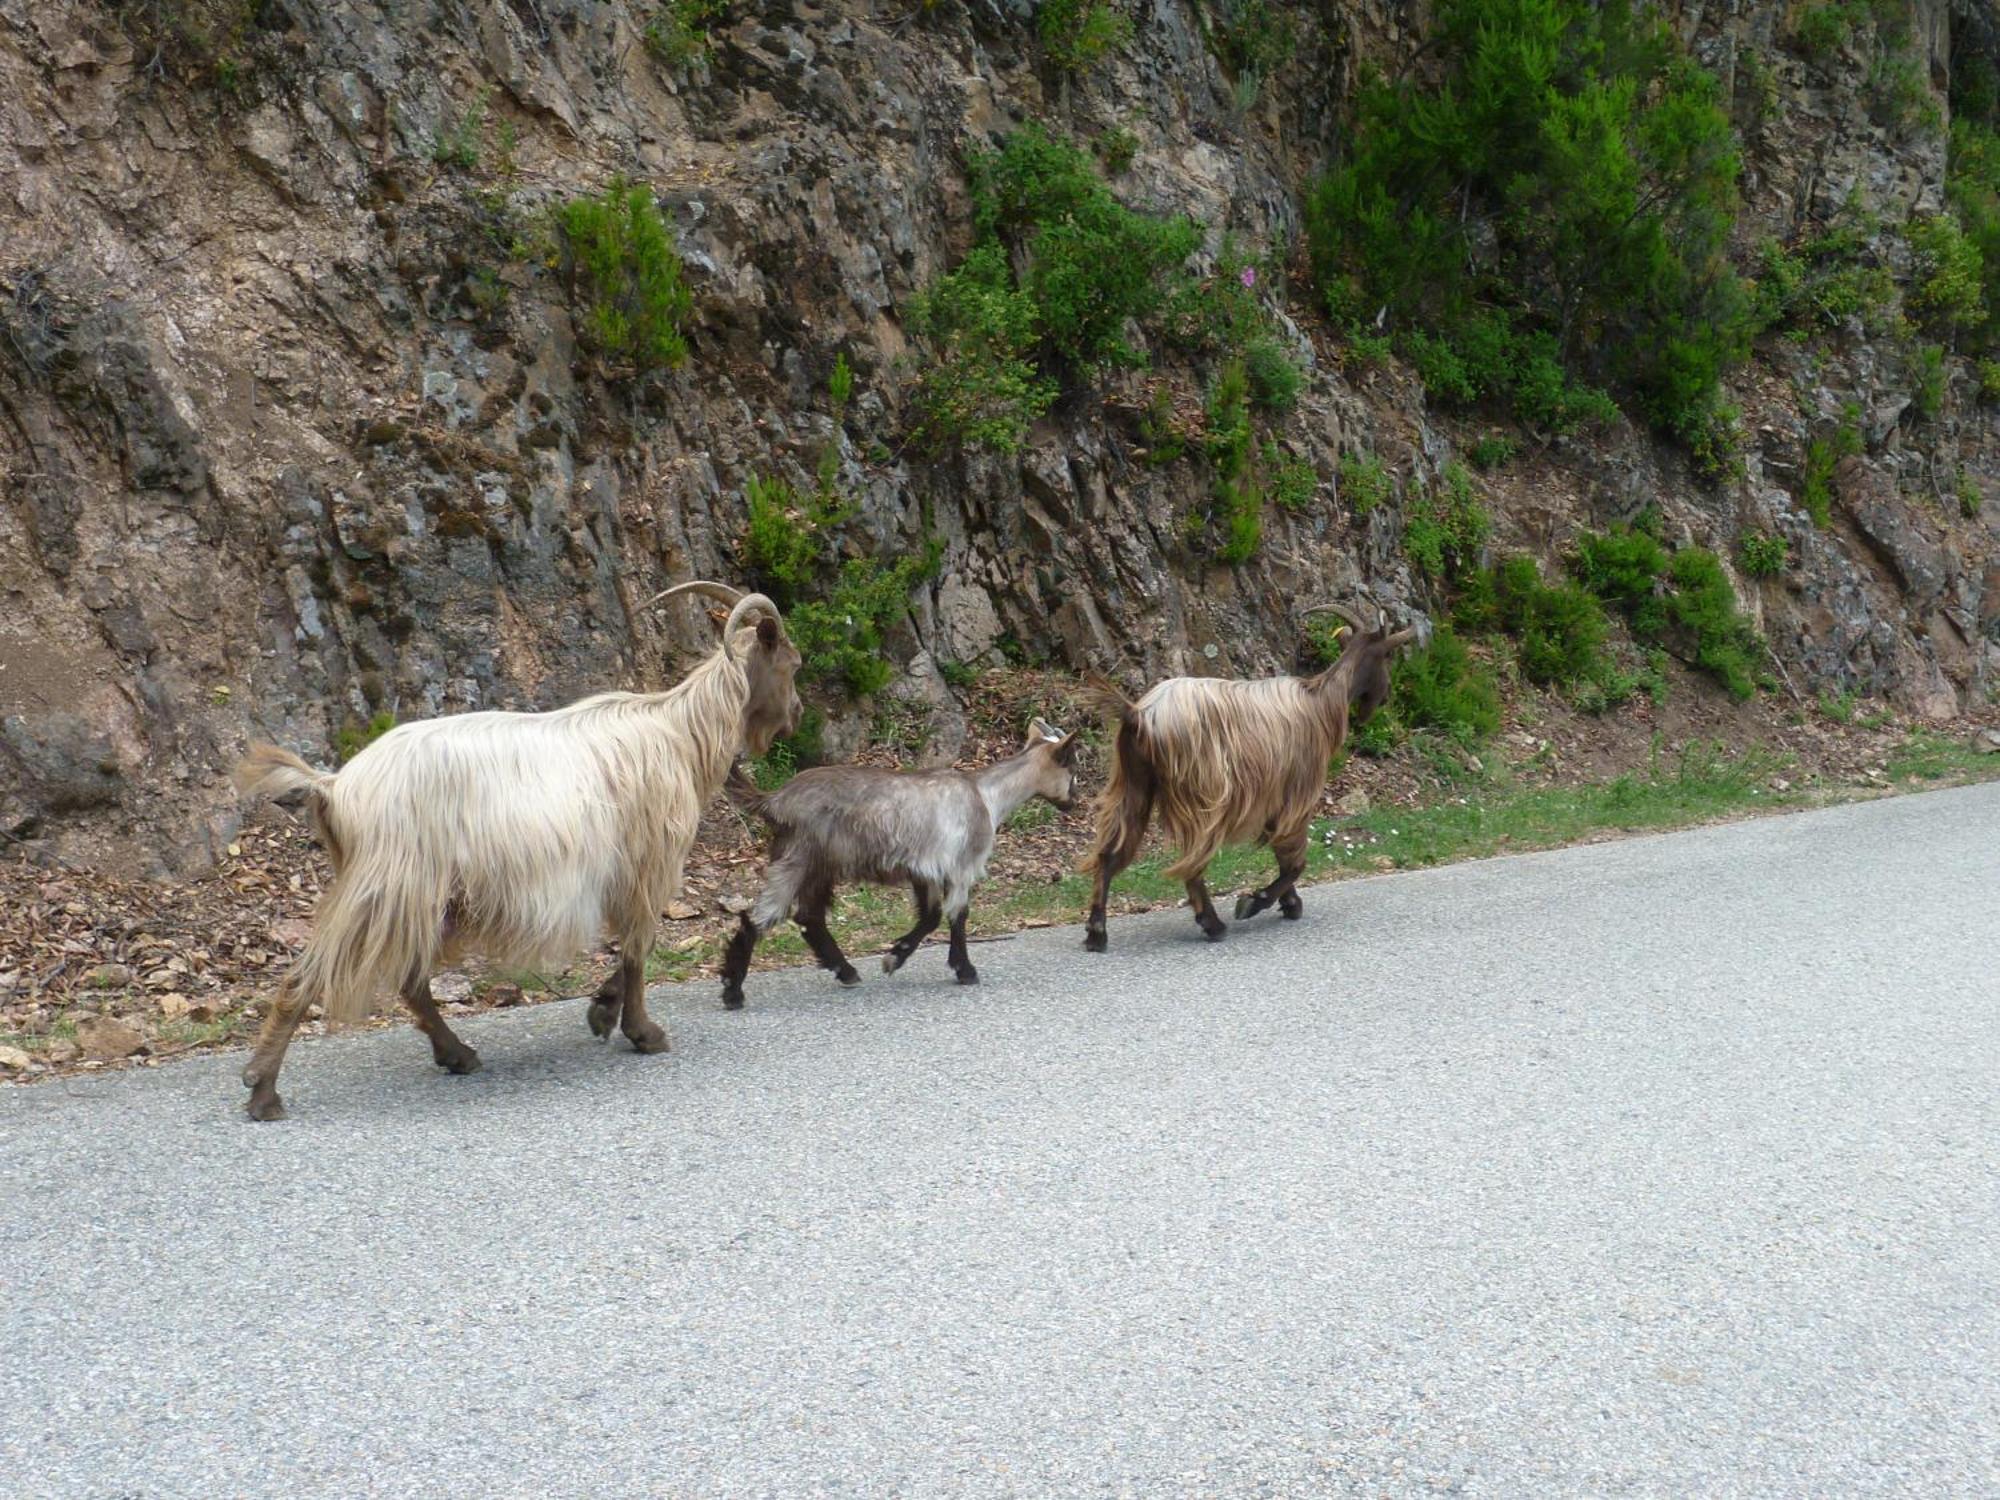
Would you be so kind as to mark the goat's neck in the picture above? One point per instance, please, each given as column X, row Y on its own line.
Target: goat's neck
column 1006, row 784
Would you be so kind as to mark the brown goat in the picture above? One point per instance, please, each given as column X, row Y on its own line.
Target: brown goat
column 1230, row 762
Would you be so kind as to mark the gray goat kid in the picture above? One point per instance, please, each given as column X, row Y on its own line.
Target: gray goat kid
column 932, row 829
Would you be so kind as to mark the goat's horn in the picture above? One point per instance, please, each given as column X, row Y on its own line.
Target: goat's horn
column 746, row 609
column 1330, row 608
column 1401, row 638
column 722, row 593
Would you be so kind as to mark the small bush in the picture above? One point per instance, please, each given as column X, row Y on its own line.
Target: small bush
column 1989, row 381
column 1947, row 291
column 1365, row 480
column 1702, row 605
column 982, row 386
column 1445, row 530
column 1293, row 481
column 1970, row 500
column 1275, row 381
column 1824, row 451
column 1493, row 451
column 1079, row 33
column 1253, row 38
column 620, row 245
column 677, row 33
column 1929, row 380
column 840, row 637
column 1443, row 689
column 1238, row 500
column 1762, row 555
column 354, row 737
column 781, row 548
column 1900, row 94
column 1560, row 630
column 1624, row 568
column 1823, row 29
column 958, row 674
column 457, row 143
column 1115, row 149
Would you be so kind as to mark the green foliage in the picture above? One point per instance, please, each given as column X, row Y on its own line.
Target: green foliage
column 1823, row 29
column 201, row 42
column 782, row 547
column 619, row 244
column 1559, row 629
column 1947, row 293
column 1275, row 381
column 1365, row 480
column 677, row 32
column 1623, row 567
column 1442, row 689
column 1826, row 280
column 1550, row 209
column 1989, row 381
column 792, row 753
column 1293, row 480
column 1970, row 499
column 840, row 637
column 1899, row 94
column 1762, row 555
column 1445, row 529
column 1929, row 380
column 1702, row 606
column 1079, row 33
column 1253, row 38
column 1115, row 149
column 840, row 384
column 982, row 387
column 1238, row 499
column 458, row 141
column 1493, row 451
column 354, row 737
column 1824, row 451
column 958, row 674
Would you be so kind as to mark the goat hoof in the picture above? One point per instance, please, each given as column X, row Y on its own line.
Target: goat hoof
column 847, row 977
column 602, row 1018
column 968, row 975
column 1291, row 908
column 1247, row 905
column 651, row 1039
column 460, row 1059
column 1216, row 933
column 265, row 1105
column 1096, row 941
column 891, row 961
column 732, row 999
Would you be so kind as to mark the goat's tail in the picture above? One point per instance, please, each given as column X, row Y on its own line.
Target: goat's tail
column 743, row 792
column 378, row 929
column 1105, row 696
column 267, row 771
column 1125, row 806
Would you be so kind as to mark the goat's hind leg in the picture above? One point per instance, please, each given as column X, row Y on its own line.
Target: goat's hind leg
column 606, row 1004
column 1291, row 855
column 812, row 922
column 288, row 1008
column 447, row 1051
column 1212, row 927
column 930, row 911
column 961, row 960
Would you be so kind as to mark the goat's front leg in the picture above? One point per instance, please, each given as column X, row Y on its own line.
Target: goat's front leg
column 1213, row 927
column 640, row 1030
column 961, row 960
column 812, row 922
column 606, row 1003
column 447, row 1051
column 1291, row 855
column 930, row 911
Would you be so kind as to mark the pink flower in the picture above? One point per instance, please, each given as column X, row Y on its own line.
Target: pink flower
column 1249, row 276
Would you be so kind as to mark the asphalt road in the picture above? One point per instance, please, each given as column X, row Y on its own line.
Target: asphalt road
column 1662, row 1167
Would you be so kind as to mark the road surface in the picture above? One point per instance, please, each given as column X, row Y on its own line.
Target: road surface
column 1667, row 1166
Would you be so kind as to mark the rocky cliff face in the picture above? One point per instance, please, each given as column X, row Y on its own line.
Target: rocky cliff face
column 296, row 428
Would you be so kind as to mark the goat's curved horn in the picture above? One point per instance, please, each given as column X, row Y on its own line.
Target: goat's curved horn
column 722, row 593
column 746, row 609
column 1330, row 608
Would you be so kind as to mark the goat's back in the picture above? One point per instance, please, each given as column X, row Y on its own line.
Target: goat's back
column 865, row 823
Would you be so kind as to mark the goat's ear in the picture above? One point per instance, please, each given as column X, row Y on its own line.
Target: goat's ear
column 1065, row 751
column 767, row 633
column 1040, row 729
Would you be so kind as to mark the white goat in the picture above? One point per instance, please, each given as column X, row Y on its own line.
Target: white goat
column 523, row 836
column 931, row 829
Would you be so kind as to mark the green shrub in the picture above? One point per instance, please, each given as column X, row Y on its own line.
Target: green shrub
column 1550, row 207
column 1824, row 451
column 1947, row 291
column 781, row 548
column 1970, row 498
column 1493, row 451
column 1253, row 38
column 1702, row 606
column 981, row 386
column 353, row 737
column 1559, row 630
column 1989, row 381
column 1443, row 689
column 1445, row 529
column 458, row 140
column 1899, row 94
column 1238, row 501
column 1275, row 381
column 1623, row 567
column 1294, row 482
column 1762, row 555
column 1365, row 481
column 1115, row 149
column 1079, row 33
column 201, row 42
column 620, row 245
column 958, row 674
column 1929, row 380
column 791, row 753
column 1823, row 29
column 677, row 32
column 840, row 637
